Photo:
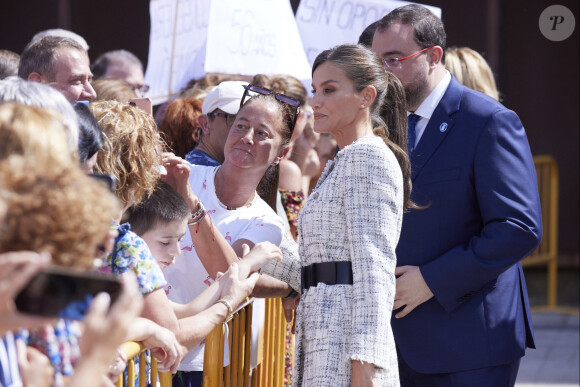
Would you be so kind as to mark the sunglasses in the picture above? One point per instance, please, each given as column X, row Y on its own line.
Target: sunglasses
column 279, row 97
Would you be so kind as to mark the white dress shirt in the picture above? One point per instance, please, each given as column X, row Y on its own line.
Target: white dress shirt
column 427, row 107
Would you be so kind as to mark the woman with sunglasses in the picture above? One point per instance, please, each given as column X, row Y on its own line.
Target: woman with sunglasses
column 350, row 225
column 227, row 212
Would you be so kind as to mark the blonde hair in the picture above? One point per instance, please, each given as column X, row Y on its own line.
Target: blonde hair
column 131, row 150
column 59, row 210
column 471, row 69
column 113, row 89
column 34, row 133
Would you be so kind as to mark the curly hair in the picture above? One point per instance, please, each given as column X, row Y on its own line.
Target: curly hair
column 179, row 127
column 132, row 149
column 34, row 132
column 62, row 211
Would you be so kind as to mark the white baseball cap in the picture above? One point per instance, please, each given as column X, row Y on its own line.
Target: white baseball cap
column 225, row 96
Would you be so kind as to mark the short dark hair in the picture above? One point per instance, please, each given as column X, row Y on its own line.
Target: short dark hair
column 38, row 55
column 164, row 205
column 116, row 57
column 91, row 137
column 429, row 30
column 366, row 37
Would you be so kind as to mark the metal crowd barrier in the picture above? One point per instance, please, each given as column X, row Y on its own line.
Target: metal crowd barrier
column 132, row 349
column 271, row 356
column 271, row 353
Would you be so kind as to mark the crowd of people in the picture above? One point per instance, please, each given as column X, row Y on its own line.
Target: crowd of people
column 389, row 209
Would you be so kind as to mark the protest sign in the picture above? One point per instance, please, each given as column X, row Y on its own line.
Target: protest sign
column 178, row 30
column 326, row 23
column 254, row 36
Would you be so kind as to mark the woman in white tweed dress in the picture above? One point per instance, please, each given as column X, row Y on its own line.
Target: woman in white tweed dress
column 350, row 225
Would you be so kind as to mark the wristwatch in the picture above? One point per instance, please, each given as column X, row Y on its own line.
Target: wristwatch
column 293, row 293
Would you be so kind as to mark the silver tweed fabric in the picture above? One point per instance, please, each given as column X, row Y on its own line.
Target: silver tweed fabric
column 289, row 269
column 354, row 214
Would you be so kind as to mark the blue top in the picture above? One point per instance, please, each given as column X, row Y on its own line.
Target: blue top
column 199, row 157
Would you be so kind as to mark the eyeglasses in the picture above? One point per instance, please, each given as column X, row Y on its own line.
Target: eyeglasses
column 143, row 88
column 279, row 97
column 395, row 63
column 230, row 118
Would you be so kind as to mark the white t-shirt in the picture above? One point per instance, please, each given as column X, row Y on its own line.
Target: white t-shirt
column 188, row 277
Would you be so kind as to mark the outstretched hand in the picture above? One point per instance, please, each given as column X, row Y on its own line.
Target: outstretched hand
column 234, row 289
column 260, row 255
column 165, row 347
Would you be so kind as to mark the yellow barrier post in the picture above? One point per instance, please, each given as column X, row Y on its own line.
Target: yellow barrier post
column 270, row 370
column 211, row 372
column 547, row 251
column 132, row 349
column 248, row 345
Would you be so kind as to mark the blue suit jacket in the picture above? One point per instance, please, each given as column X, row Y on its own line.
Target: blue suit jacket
column 474, row 169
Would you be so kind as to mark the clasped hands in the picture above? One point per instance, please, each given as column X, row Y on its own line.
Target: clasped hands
column 238, row 282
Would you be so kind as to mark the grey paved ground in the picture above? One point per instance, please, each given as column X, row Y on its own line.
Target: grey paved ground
column 556, row 361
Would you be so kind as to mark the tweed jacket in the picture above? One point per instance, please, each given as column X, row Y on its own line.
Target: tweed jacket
column 354, row 214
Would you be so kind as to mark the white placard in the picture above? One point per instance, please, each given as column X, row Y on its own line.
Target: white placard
column 326, row 23
column 178, row 30
column 254, row 36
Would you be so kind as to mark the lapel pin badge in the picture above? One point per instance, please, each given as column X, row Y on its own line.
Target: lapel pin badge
column 443, row 127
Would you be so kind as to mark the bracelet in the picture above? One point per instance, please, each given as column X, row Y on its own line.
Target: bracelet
column 197, row 213
column 194, row 222
column 228, row 305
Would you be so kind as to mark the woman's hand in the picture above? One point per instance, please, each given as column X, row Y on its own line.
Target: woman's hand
column 260, row 255
column 35, row 368
column 16, row 270
column 177, row 176
column 116, row 368
column 234, row 289
column 165, row 347
column 363, row 374
column 289, row 305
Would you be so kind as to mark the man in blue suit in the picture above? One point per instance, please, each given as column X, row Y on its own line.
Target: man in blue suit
column 461, row 314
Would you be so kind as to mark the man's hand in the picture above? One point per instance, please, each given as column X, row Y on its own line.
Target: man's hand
column 412, row 290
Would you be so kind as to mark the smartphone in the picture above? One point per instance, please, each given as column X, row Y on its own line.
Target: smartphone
column 144, row 104
column 65, row 293
column 107, row 179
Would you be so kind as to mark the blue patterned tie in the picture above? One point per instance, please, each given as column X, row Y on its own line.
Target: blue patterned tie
column 412, row 121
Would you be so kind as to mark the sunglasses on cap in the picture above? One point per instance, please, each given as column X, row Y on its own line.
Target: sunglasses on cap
column 279, row 97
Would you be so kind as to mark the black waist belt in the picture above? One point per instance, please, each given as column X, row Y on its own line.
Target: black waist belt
column 330, row 273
